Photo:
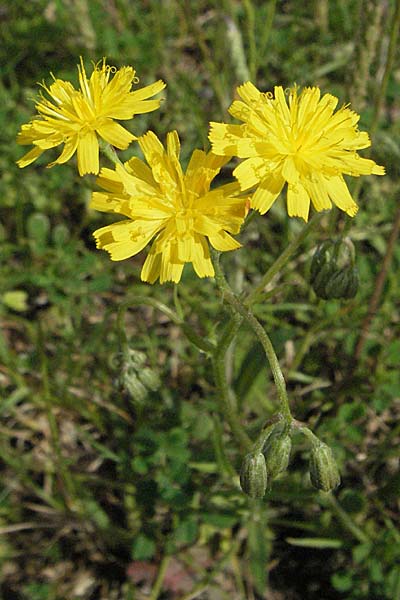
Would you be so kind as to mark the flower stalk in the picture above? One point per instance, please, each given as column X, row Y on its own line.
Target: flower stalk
column 237, row 306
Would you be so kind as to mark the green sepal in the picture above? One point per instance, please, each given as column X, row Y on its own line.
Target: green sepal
column 324, row 472
column 333, row 273
column 253, row 475
column 277, row 454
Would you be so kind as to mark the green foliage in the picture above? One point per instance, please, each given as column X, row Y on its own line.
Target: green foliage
column 95, row 483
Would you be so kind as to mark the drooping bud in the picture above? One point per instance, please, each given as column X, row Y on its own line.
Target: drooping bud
column 253, row 475
column 134, row 377
column 333, row 273
column 277, row 454
column 135, row 388
column 324, row 472
column 149, row 378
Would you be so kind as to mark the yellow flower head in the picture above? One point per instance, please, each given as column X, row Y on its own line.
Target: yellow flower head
column 76, row 117
column 177, row 209
column 304, row 144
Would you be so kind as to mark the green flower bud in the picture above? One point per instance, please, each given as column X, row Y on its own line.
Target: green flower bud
column 333, row 273
column 277, row 454
column 149, row 378
column 135, row 388
column 324, row 472
column 253, row 475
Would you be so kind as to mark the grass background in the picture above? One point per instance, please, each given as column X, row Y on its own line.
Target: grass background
column 118, row 488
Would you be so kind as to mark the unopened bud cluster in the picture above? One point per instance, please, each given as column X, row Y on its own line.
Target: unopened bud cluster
column 260, row 468
column 137, row 379
column 263, row 465
column 333, row 273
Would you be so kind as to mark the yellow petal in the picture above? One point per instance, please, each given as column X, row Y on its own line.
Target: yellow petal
column 173, row 144
column 249, row 93
column 148, row 90
column 378, row 170
column 151, row 267
column 240, row 110
column 201, row 170
column 223, row 242
column 163, row 171
column 140, row 170
column 289, row 170
column 126, row 238
column 133, row 186
column 201, row 261
column 298, row 201
column 316, row 189
column 224, row 138
column 250, row 172
column 88, row 154
column 69, row 149
column 170, row 269
column 115, row 134
column 267, row 192
column 109, row 180
column 29, row 157
column 340, row 195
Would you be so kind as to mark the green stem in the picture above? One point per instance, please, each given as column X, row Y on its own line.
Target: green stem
column 224, row 392
column 225, row 403
column 315, row 441
column 261, row 334
column 345, row 519
column 109, row 152
column 155, row 592
column 223, row 464
column 228, row 334
column 265, row 433
column 282, row 260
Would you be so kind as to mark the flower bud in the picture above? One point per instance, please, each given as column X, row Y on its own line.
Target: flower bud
column 253, row 475
column 135, row 388
column 277, row 454
column 324, row 472
column 149, row 378
column 333, row 273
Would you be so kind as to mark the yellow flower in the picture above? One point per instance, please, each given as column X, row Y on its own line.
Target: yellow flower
column 177, row 209
column 304, row 144
column 76, row 117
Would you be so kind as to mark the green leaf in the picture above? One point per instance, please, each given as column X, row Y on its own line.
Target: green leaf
column 252, row 363
column 361, row 552
column 187, row 531
column 375, row 571
column 259, row 549
column 204, row 467
column 220, row 520
column 16, row 300
column 393, row 582
column 342, row 582
column 143, row 548
column 315, row 542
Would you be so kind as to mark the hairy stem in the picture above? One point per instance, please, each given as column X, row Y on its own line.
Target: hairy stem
column 230, row 298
